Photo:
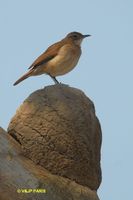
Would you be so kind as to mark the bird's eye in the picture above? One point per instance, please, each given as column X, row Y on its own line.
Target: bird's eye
column 75, row 37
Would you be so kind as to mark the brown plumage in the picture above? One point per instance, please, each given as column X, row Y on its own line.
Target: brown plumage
column 58, row 59
column 22, row 78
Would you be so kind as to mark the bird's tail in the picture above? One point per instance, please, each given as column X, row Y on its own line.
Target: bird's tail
column 29, row 73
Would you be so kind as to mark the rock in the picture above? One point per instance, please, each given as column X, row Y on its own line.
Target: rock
column 19, row 177
column 57, row 129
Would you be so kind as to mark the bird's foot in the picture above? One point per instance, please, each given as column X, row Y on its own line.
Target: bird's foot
column 54, row 79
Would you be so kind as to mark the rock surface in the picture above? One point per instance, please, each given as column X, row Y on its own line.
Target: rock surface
column 58, row 130
column 18, row 172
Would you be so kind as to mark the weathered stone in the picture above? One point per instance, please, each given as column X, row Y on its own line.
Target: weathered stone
column 58, row 129
column 18, row 172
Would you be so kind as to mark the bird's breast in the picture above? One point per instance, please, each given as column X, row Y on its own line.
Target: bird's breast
column 65, row 61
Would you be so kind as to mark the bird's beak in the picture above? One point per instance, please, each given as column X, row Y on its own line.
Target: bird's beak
column 84, row 36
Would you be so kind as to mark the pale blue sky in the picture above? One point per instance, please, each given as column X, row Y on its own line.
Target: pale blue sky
column 104, row 73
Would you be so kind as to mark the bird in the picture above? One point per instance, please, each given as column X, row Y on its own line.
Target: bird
column 58, row 59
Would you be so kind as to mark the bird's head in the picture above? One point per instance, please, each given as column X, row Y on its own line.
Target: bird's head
column 76, row 37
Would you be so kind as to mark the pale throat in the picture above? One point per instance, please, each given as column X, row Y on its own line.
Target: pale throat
column 78, row 42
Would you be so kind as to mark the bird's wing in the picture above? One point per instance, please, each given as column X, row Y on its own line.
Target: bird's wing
column 49, row 54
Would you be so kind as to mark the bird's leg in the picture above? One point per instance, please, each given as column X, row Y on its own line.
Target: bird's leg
column 54, row 79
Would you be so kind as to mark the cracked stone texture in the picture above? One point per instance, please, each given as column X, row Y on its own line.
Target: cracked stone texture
column 18, row 172
column 58, row 129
